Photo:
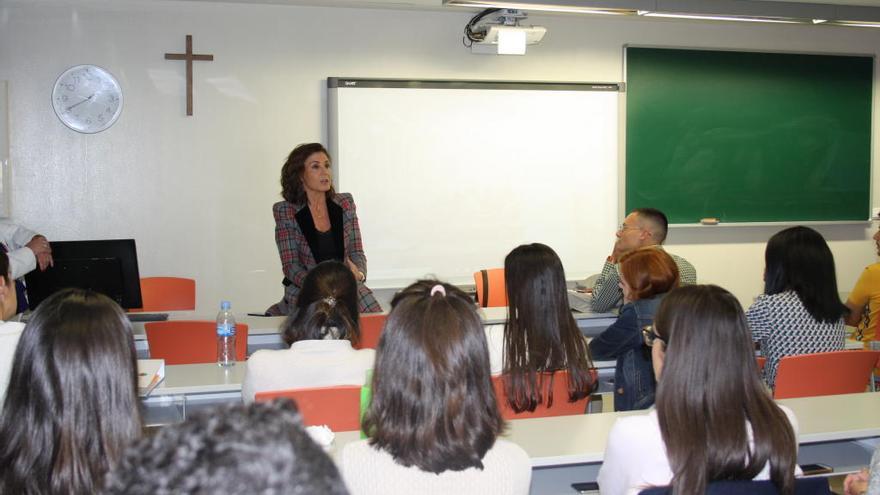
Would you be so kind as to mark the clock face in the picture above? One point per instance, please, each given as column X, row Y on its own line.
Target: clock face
column 87, row 98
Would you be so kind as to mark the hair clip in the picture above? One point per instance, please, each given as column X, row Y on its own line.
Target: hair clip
column 438, row 288
column 330, row 300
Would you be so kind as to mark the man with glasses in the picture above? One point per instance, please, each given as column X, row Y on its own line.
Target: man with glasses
column 643, row 227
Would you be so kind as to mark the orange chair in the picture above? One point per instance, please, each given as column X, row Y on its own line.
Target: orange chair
column 371, row 329
column 167, row 294
column 491, row 291
column 336, row 407
column 561, row 406
column 761, row 361
column 824, row 373
column 189, row 342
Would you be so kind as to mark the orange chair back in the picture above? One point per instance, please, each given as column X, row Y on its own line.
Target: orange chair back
column 167, row 294
column 371, row 329
column 761, row 361
column 561, row 406
column 491, row 290
column 189, row 342
column 336, row 407
column 824, row 373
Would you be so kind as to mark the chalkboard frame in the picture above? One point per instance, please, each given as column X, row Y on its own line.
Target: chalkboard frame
column 625, row 202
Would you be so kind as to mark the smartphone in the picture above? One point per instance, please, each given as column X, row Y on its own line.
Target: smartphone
column 586, row 487
column 811, row 469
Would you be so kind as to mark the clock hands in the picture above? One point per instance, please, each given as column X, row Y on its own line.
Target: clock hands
column 71, row 107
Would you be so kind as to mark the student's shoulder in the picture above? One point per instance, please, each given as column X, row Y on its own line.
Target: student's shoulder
column 873, row 270
column 635, row 427
column 267, row 357
column 11, row 328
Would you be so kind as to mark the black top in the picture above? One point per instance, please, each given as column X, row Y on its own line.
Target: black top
column 326, row 247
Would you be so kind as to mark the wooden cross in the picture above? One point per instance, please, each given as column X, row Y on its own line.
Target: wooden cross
column 189, row 56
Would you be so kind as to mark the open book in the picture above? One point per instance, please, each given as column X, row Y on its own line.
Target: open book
column 151, row 372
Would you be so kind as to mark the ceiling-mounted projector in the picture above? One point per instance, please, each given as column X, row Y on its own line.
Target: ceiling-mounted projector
column 533, row 34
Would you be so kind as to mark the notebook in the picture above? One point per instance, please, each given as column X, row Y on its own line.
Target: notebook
column 151, row 372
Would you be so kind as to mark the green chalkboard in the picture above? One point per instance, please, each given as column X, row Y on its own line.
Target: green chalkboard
column 748, row 136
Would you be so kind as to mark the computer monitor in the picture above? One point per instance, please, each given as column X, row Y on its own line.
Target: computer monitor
column 107, row 266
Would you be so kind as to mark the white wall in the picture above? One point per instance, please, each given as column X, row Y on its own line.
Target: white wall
column 196, row 192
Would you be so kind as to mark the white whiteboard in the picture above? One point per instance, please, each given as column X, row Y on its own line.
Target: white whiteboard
column 447, row 180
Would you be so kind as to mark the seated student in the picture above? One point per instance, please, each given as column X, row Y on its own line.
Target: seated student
column 72, row 405
column 235, row 450
column 320, row 334
column 642, row 228
column 433, row 420
column 540, row 334
column 800, row 311
column 646, row 275
column 864, row 300
column 714, row 420
column 10, row 331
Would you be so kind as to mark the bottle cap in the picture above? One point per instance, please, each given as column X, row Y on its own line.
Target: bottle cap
column 225, row 305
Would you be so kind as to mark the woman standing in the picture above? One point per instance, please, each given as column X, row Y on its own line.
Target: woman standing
column 714, row 420
column 315, row 224
column 646, row 275
column 540, row 336
column 800, row 311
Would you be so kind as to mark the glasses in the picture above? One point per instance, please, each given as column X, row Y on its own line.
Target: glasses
column 624, row 227
column 649, row 336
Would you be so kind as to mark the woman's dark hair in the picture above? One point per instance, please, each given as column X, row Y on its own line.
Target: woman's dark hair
column 648, row 271
column 291, row 173
column 710, row 389
column 540, row 336
column 433, row 403
column 798, row 259
column 328, row 306
column 4, row 268
column 71, row 406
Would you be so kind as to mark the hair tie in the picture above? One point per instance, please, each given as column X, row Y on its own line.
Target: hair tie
column 330, row 300
column 438, row 288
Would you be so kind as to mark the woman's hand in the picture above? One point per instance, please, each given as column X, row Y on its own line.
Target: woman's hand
column 856, row 484
column 358, row 274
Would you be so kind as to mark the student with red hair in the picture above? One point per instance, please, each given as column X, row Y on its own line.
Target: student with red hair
column 646, row 275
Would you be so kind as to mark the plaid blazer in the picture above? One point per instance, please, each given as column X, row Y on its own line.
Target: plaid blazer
column 291, row 237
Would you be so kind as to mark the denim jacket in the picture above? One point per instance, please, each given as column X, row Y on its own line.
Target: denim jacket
column 633, row 374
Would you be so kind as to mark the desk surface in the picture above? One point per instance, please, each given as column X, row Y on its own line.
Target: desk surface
column 574, row 439
column 581, row 439
column 269, row 325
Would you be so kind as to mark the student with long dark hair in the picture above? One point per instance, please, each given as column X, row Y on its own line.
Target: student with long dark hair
column 72, row 405
column 540, row 336
column 714, row 420
column 800, row 311
column 433, row 420
column 646, row 275
column 321, row 335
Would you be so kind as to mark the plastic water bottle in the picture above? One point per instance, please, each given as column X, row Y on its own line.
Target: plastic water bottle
column 225, row 335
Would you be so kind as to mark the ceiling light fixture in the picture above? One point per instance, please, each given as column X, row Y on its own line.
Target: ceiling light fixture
column 702, row 17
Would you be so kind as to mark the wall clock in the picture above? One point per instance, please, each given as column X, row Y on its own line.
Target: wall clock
column 87, row 98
